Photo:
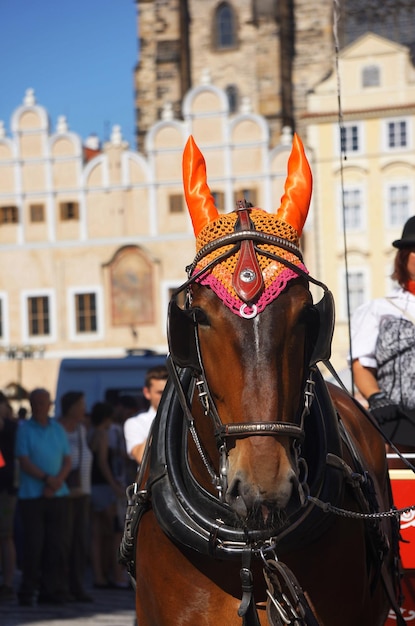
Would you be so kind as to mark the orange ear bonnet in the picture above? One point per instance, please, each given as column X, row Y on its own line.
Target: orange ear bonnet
column 209, row 225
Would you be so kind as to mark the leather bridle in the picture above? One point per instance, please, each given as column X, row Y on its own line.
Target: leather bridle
column 187, row 318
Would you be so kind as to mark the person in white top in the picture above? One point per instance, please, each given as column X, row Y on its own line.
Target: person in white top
column 136, row 428
column 383, row 349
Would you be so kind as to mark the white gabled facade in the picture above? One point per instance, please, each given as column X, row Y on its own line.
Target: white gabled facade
column 374, row 179
column 90, row 249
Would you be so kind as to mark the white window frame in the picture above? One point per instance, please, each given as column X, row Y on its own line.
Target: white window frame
column 387, row 191
column 4, row 299
column 385, row 134
column 360, row 134
column 38, row 293
column 342, row 299
column 71, row 308
column 349, row 187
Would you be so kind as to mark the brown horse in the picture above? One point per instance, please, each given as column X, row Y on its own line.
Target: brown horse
column 258, row 496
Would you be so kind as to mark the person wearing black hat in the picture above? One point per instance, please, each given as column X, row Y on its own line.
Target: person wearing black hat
column 383, row 349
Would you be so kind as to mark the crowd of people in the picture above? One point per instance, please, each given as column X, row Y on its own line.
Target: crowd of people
column 63, row 477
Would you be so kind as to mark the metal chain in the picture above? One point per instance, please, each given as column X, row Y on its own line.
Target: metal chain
column 329, row 508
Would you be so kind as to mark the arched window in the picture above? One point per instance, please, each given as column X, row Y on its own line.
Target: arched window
column 233, row 99
column 224, row 27
column 371, row 76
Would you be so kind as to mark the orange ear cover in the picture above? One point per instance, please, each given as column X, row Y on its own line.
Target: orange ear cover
column 199, row 200
column 298, row 188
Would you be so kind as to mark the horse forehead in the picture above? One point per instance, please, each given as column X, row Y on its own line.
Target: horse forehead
column 284, row 308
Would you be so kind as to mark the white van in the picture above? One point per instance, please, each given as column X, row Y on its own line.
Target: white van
column 105, row 379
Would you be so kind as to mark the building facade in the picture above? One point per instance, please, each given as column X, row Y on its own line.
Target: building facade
column 93, row 243
column 93, row 239
column 364, row 171
column 261, row 51
column 271, row 52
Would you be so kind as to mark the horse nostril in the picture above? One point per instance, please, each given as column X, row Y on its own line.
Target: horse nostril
column 234, row 490
column 235, row 498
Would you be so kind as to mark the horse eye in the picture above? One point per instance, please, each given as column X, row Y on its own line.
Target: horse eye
column 307, row 314
column 200, row 317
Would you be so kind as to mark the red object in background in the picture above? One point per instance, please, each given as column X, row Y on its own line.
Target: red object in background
column 2, row 461
column 403, row 489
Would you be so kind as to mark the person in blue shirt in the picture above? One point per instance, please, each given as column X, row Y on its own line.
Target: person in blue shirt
column 43, row 451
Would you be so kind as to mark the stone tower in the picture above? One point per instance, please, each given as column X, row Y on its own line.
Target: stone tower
column 266, row 54
column 258, row 51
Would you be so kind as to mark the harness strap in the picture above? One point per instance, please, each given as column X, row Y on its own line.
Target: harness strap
column 247, row 609
column 376, row 540
column 287, row 603
column 390, row 592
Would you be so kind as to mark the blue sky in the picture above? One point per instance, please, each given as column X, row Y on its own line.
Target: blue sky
column 78, row 56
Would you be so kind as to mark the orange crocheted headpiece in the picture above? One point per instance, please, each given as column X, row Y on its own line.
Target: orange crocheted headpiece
column 209, row 226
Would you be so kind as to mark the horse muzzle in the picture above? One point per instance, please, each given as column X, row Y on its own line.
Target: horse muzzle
column 265, row 508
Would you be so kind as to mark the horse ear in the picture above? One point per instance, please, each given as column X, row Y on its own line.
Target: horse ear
column 298, row 187
column 199, row 200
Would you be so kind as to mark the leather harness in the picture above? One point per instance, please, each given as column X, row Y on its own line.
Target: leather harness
column 192, row 517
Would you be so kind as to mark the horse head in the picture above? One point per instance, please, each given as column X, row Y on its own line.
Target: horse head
column 251, row 333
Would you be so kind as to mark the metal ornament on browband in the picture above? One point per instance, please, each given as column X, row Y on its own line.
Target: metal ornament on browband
column 247, row 281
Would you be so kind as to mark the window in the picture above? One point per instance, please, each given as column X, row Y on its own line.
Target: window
column 397, row 134
column 356, row 289
column 350, row 138
column 353, row 208
column 399, row 202
column 168, row 51
column 9, row 215
column 37, row 213
column 86, row 312
column 38, row 316
column 38, row 310
column 225, row 32
column 69, row 211
column 176, row 203
column 233, row 97
column 371, row 76
column 250, row 195
column 219, row 198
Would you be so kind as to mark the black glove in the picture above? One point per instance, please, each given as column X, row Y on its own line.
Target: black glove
column 382, row 408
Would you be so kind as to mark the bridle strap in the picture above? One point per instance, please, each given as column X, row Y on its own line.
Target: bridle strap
column 243, row 235
column 247, row 277
column 236, row 237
